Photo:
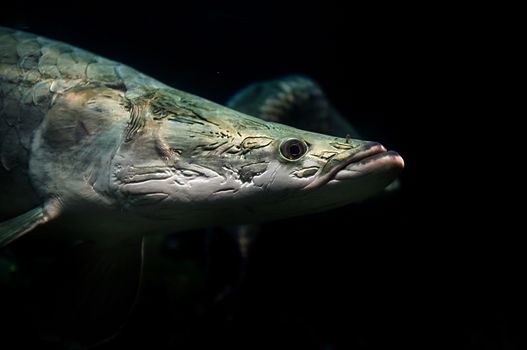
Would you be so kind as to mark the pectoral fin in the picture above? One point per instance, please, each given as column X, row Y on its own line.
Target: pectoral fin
column 18, row 226
column 90, row 292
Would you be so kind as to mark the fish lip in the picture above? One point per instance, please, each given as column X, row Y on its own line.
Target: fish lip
column 374, row 151
column 382, row 161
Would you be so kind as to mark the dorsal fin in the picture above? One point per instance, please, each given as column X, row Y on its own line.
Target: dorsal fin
column 293, row 100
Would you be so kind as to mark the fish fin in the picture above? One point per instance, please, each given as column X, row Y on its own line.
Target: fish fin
column 394, row 186
column 19, row 225
column 279, row 99
column 91, row 292
column 294, row 100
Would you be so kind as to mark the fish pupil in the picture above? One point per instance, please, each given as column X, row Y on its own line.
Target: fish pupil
column 295, row 150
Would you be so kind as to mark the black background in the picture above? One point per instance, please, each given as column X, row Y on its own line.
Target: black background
column 414, row 269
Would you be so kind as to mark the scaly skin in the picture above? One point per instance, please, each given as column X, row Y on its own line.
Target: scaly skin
column 33, row 72
column 100, row 143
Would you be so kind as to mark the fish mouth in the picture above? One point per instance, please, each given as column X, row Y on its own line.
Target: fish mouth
column 374, row 159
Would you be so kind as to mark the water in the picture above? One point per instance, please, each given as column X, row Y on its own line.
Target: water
column 362, row 276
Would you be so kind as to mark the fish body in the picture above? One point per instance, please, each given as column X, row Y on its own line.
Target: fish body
column 108, row 155
column 93, row 141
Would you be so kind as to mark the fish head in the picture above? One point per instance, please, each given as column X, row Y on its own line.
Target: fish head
column 196, row 162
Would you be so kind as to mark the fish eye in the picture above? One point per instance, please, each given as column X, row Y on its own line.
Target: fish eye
column 293, row 149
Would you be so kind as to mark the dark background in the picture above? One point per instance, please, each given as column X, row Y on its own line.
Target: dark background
column 425, row 267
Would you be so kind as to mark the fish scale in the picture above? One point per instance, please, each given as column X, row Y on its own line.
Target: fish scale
column 41, row 68
column 33, row 70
